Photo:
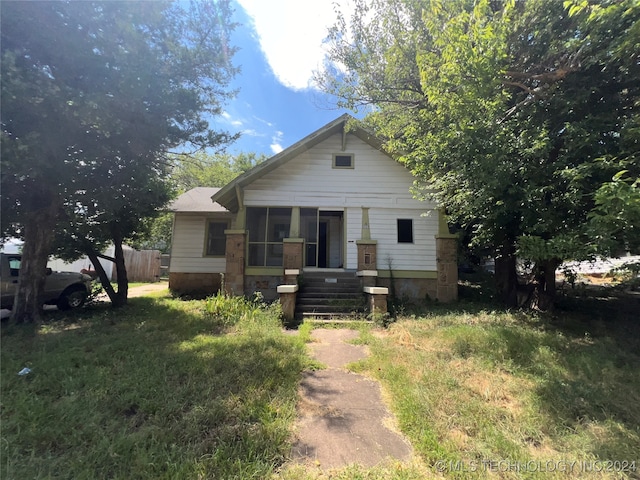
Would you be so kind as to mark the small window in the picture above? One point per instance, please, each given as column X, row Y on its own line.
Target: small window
column 216, row 239
column 343, row 161
column 14, row 266
column 405, row 230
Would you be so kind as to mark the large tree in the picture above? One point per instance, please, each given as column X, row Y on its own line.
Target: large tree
column 94, row 96
column 201, row 169
column 512, row 114
column 211, row 170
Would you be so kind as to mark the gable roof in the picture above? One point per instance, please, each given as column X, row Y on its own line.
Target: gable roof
column 197, row 200
column 228, row 196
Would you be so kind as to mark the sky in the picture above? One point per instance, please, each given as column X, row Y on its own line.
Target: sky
column 280, row 45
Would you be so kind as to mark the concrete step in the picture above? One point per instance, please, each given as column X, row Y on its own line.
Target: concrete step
column 332, row 317
column 332, row 295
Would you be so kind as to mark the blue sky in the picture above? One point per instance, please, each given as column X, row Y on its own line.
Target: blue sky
column 280, row 44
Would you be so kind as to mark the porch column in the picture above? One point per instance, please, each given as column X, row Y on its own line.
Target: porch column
column 367, row 253
column 446, row 262
column 292, row 252
column 293, row 246
column 365, row 232
column 235, row 257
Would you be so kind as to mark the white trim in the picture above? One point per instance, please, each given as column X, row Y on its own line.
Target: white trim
column 367, row 273
column 287, row 288
column 376, row 290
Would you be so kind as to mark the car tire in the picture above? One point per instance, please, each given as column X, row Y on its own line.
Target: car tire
column 72, row 297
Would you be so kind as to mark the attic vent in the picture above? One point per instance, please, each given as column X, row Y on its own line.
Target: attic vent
column 343, row 161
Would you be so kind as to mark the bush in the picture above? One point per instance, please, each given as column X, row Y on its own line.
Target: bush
column 232, row 310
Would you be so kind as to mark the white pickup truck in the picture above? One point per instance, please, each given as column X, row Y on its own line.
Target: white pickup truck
column 67, row 290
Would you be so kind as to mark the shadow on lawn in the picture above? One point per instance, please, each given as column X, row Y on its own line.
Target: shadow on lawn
column 584, row 358
column 584, row 383
column 155, row 390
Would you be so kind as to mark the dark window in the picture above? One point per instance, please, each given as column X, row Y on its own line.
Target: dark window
column 216, row 239
column 405, row 230
column 343, row 161
column 14, row 266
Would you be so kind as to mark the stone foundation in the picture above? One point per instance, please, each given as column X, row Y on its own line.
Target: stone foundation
column 267, row 285
column 199, row 284
column 411, row 288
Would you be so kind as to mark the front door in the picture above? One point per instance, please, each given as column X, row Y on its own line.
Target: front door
column 323, row 234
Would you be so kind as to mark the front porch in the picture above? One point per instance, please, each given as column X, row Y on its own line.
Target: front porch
column 312, row 243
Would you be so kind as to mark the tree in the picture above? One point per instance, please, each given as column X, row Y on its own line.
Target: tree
column 94, row 96
column 205, row 170
column 511, row 115
column 187, row 172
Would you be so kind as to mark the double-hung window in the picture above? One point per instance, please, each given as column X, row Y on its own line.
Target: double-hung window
column 216, row 245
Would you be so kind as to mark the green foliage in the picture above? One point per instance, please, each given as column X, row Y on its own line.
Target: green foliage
column 615, row 220
column 204, row 170
column 94, row 97
column 233, row 310
column 511, row 115
column 155, row 234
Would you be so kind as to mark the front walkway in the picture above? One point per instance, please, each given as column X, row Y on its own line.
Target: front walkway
column 341, row 417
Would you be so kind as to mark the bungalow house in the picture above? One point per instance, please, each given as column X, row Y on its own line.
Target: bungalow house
column 333, row 202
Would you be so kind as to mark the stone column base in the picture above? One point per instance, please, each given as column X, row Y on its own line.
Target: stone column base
column 377, row 300
column 288, row 294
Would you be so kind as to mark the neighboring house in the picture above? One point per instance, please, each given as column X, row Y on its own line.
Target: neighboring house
column 333, row 201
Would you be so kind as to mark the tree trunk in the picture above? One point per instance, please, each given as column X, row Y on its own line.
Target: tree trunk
column 39, row 227
column 121, row 269
column 118, row 298
column 545, row 284
column 102, row 275
column 506, row 277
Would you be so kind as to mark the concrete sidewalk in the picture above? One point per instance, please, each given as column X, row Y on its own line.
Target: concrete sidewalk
column 341, row 417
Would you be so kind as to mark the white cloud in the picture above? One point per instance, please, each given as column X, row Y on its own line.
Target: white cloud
column 276, row 142
column 230, row 120
column 291, row 33
column 252, row 133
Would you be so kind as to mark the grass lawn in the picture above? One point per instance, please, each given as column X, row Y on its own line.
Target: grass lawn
column 188, row 389
column 159, row 389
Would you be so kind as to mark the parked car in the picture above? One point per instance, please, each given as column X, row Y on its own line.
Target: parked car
column 67, row 290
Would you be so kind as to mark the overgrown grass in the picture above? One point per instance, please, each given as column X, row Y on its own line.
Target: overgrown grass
column 170, row 389
column 159, row 389
column 514, row 389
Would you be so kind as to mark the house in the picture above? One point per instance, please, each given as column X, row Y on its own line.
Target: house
column 332, row 202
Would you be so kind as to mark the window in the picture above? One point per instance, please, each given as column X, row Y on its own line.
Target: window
column 216, row 239
column 14, row 266
column 405, row 230
column 343, row 161
column 268, row 227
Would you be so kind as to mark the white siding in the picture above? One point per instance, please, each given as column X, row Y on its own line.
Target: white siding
column 419, row 255
column 353, row 230
column 187, row 246
column 376, row 181
column 309, row 180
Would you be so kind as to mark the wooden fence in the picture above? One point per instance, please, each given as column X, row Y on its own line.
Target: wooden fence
column 142, row 266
